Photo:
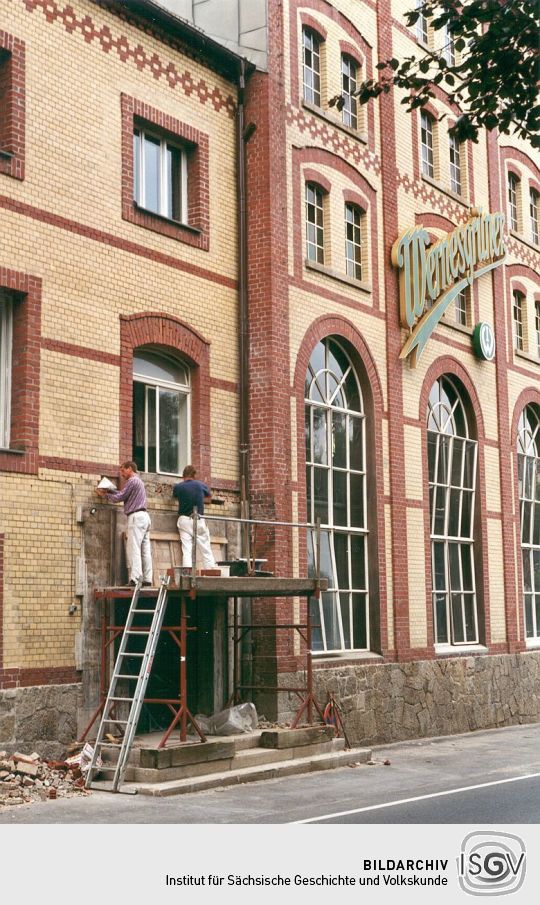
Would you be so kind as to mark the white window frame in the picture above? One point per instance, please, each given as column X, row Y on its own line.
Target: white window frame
column 182, row 389
column 513, row 201
column 528, row 450
column 6, row 345
column 349, row 82
column 353, row 265
column 321, row 396
column 427, row 140
column 442, row 488
column 139, row 182
column 518, row 307
column 315, row 219
column 533, row 208
column 448, row 50
column 537, row 326
column 422, row 26
column 461, row 308
column 455, row 164
column 311, row 42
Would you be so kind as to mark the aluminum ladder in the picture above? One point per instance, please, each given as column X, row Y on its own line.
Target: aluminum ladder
column 120, row 673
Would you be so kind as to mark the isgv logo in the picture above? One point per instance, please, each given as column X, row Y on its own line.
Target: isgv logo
column 491, row 864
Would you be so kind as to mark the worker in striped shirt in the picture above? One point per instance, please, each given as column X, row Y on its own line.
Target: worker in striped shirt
column 133, row 496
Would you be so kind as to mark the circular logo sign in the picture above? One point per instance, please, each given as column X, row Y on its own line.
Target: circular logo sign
column 484, row 341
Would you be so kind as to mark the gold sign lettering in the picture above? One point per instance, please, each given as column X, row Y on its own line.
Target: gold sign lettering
column 432, row 275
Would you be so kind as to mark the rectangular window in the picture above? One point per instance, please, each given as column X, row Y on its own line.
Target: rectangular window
column 349, row 71
column 311, row 67
column 517, row 309
column 513, row 186
column 6, row 341
column 314, row 224
column 12, row 105
column 461, row 308
column 160, row 183
column 353, row 241
column 422, row 28
column 455, row 165
column 448, row 51
column 534, row 215
column 537, row 326
column 426, row 140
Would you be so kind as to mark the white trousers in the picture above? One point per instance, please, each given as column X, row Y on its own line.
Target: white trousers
column 138, row 552
column 185, row 530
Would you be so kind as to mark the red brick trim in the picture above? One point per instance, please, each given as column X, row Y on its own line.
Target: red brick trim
column 511, row 167
column 350, row 50
column 57, row 345
column 517, row 287
column 511, row 155
column 119, row 44
column 313, row 176
column 534, row 184
column 314, row 24
column 142, row 251
column 17, row 677
column 230, row 386
column 366, row 369
column 81, row 466
column 25, row 371
column 196, row 145
column 361, row 201
column 357, row 39
column 445, row 365
column 526, row 397
column 166, row 332
column 12, row 105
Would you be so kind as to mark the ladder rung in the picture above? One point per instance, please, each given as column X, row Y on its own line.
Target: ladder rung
column 142, row 611
column 137, row 631
column 105, row 767
column 110, row 745
column 121, row 699
column 118, row 675
column 110, row 720
column 128, row 653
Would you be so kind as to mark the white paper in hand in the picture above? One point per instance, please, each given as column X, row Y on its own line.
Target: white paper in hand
column 105, row 484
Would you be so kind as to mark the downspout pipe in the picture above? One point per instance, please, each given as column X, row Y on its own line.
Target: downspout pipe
column 243, row 136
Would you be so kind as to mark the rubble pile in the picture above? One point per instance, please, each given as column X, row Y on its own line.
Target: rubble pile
column 27, row 778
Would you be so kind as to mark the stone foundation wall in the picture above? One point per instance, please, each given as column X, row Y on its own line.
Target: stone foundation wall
column 40, row 718
column 391, row 702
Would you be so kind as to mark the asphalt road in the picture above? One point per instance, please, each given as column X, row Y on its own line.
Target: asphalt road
column 481, row 778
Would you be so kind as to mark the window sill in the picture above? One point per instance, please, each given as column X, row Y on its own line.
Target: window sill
column 521, row 238
column 347, row 655
column 335, row 275
column 461, row 328
column 465, row 650
column 177, row 223
column 532, row 359
column 461, row 199
column 333, row 121
column 532, row 643
column 12, row 451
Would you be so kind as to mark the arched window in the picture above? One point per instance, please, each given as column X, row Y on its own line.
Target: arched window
column 452, row 458
column 529, row 499
column 336, row 493
column 161, row 412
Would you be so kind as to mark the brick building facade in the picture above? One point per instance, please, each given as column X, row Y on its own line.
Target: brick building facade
column 424, row 477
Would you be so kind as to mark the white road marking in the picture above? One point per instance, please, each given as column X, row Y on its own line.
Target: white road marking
column 393, row 804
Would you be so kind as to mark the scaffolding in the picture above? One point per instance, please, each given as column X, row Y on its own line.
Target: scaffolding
column 191, row 586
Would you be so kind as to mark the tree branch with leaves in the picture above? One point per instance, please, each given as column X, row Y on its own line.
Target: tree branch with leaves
column 492, row 77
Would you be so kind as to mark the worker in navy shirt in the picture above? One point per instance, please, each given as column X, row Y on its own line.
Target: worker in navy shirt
column 192, row 494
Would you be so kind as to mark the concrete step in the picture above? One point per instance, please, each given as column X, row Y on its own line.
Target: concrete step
column 257, row 773
column 186, row 767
